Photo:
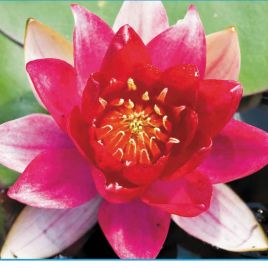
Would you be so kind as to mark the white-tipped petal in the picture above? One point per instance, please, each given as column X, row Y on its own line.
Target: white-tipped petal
column 228, row 224
column 147, row 18
column 43, row 42
column 42, row 233
column 223, row 55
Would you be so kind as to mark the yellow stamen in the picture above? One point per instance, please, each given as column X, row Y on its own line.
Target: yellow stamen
column 151, row 142
column 131, row 85
column 164, row 120
column 161, row 97
column 144, row 157
column 119, row 103
column 173, row 140
column 130, row 104
column 145, row 96
column 103, row 102
column 119, row 153
column 157, row 110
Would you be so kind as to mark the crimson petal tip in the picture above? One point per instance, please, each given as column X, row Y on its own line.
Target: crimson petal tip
column 192, row 8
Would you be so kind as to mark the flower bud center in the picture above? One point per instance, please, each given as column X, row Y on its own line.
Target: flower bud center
column 134, row 130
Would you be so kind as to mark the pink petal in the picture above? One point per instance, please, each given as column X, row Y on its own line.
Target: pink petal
column 228, row 224
column 218, row 100
column 147, row 18
column 125, row 53
column 55, row 179
column 238, row 151
column 134, row 229
column 223, row 55
column 21, row 140
column 91, row 39
column 189, row 159
column 114, row 192
column 43, row 233
column 77, row 130
column 186, row 196
column 43, row 42
column 55, row 83
column 183, row 43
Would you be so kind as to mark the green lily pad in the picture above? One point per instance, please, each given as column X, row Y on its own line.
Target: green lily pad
column 250, row 18
column 16, row 98
column 7, row 176
column 56, row 14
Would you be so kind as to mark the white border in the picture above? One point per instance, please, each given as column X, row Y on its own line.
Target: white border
column 133, row 264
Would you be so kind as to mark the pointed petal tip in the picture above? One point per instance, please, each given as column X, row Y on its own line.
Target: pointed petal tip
column 125, row 27
column 192, row 8
column 232, row 29
column 192, row 13
column 232, row 225
column 75, row 8
column 258, row 241
column 31, row 234
column 30, row 21
column 6, row 253
column 145, row 23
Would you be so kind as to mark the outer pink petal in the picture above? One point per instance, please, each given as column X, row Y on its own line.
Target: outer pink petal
column 218, row 100
column 223, row 55
column 228, row 224
column 55, row 83
column 92, row 37
column 134, row 229
column 186, row 196
column 21, row 140
column 43, row 233
column 183, row 43
column 43, row 42
column 55, row 179
column 239, row 150
column 147, row 18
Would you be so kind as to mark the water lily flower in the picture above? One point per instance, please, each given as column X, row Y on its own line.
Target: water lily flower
column 142, row 116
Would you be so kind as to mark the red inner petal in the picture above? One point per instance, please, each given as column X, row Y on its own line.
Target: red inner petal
column 137, row 122
column 125, row 52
